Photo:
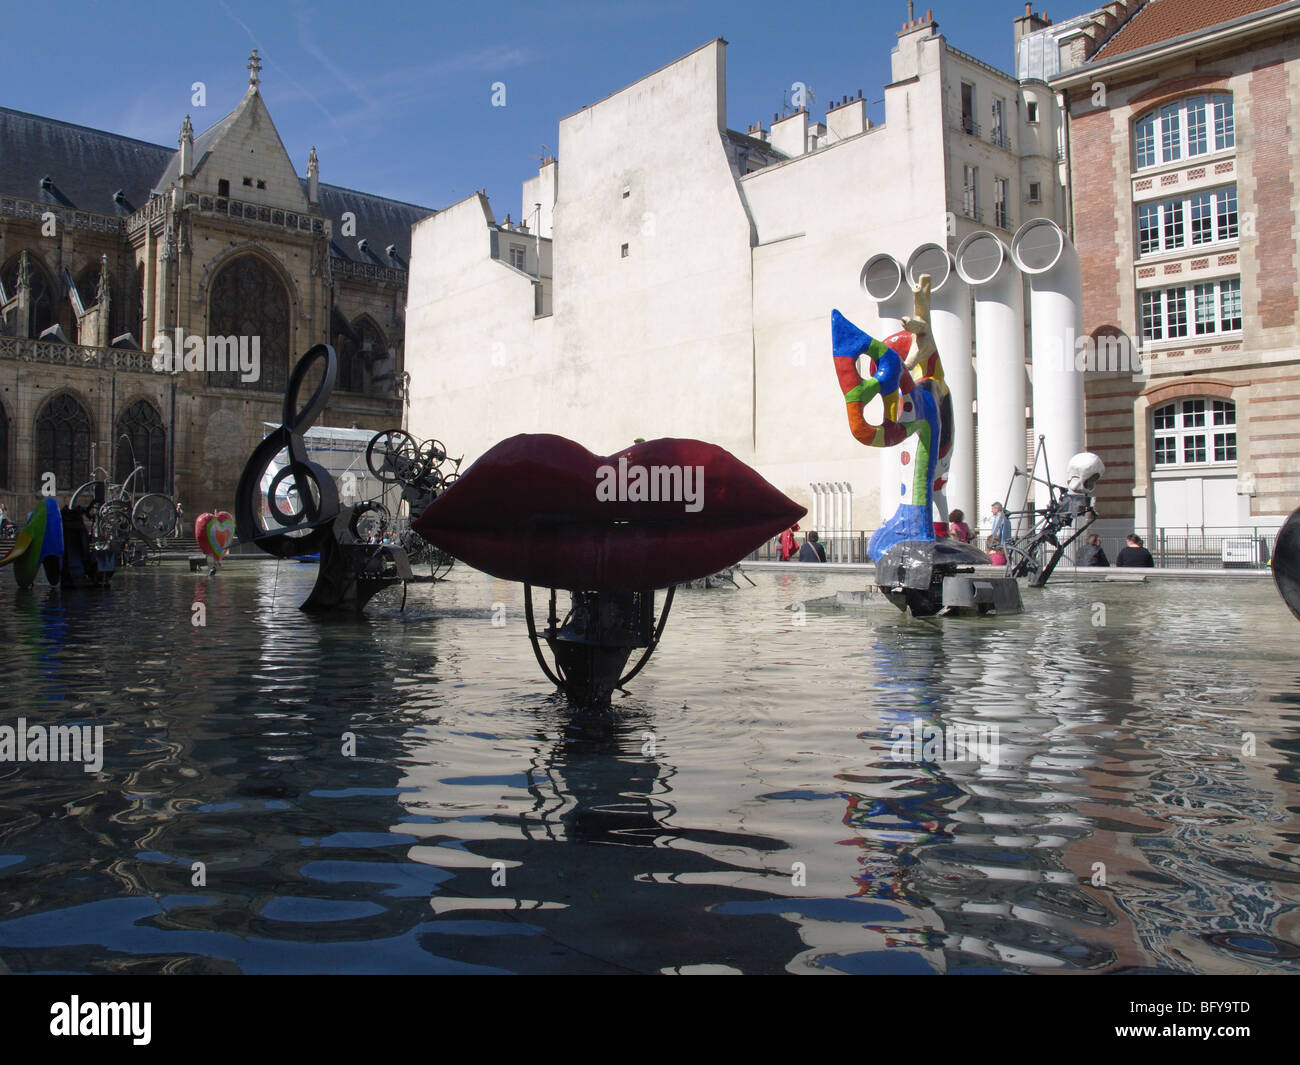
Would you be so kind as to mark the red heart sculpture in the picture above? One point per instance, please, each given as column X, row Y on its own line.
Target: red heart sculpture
column 215, row 533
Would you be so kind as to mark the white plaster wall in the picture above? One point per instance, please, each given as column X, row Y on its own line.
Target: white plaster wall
column 480, row 363
column 657, row 343
column 835, row 209
column 540, row 188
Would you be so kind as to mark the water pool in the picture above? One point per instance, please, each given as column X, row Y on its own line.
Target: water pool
column 404, row 793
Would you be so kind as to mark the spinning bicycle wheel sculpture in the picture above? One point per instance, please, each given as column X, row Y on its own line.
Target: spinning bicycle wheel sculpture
column 422, row 471
column 119, row 515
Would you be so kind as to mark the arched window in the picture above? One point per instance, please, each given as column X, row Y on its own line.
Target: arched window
column 1194, row 432
column 62, row 443
column 358, row 348
column 44, row 313
column 249, row 316
column 142, row 426
column 4, row 448
column 1182, row 129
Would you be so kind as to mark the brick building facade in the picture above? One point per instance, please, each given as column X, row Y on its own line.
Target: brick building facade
column 1184, row 211
column 107, row 243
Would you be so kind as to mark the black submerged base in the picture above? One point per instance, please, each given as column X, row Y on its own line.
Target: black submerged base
column 932, row 576
column 592, row 645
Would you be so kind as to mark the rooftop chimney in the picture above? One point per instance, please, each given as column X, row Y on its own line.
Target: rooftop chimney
column 1026, row 24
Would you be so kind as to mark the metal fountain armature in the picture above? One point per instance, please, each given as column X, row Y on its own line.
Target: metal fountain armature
column 299, row 512
column 1056, row 526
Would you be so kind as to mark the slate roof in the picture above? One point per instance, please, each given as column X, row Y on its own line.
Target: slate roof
column 1163, row 20
column 87, row 166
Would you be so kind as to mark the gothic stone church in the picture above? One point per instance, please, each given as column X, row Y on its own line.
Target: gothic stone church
column 107, row 242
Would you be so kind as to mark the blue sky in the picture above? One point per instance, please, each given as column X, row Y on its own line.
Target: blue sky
column 397, row 96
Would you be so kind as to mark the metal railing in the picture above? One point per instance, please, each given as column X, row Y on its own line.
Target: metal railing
column 1238, row 547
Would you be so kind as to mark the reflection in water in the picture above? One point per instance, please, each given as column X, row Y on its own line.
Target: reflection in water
column 401, row 793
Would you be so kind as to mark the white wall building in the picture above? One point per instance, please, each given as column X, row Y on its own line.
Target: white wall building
column 695, row 269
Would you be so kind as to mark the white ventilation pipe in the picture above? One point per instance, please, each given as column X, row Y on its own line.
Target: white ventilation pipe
column 883, row 279
column 950, row 325
column 984, row 263
column 841, row 518
column 848, row 515
column 830, row 533
column 1042, row 251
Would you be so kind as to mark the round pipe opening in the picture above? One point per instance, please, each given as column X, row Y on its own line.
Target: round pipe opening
column 881, row 277
column 932, row 259
column 979, row 258
column 1037, row 245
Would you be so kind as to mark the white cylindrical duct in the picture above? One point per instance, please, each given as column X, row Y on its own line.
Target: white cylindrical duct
column 833, row 535
column 841, row 536
column 848, row 518
column 817, row 503
column 883, row 280
column 950, row 325
column 1044, row 253
column 984, row 263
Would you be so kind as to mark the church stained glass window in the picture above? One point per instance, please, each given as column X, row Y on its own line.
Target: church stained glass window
column 249, row 305
column 142, row 425
column 62, row 443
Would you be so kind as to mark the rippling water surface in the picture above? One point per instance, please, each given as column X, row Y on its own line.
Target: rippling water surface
column 404, row 793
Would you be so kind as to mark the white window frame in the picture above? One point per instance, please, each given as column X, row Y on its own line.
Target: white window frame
column 1222, row 299
column 970, row 191
column 1001, row 208
column 1164, row 311
column 998, row 123
column 1174, row 229
column 520, row 253
column 1189, row 428
column 1164, row 134
column 1031, row 112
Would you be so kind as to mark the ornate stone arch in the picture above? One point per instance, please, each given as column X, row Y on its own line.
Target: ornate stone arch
column 218, row 261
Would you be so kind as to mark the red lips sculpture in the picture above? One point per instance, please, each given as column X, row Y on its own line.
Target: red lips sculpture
column 544, row 510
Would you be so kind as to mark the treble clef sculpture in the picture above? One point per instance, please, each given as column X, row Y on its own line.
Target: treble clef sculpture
column 307, row 528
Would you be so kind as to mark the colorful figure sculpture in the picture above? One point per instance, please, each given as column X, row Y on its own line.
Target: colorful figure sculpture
column 913, row 569
column 907, row 374
column 39, row 541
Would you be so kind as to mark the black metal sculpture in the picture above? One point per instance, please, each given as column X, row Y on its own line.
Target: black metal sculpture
column 299, row 513
column 1286, row 562
column 596, row 639
column 1053, row 528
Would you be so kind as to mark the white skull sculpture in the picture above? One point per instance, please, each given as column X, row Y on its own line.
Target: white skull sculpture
column 1083, row 472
